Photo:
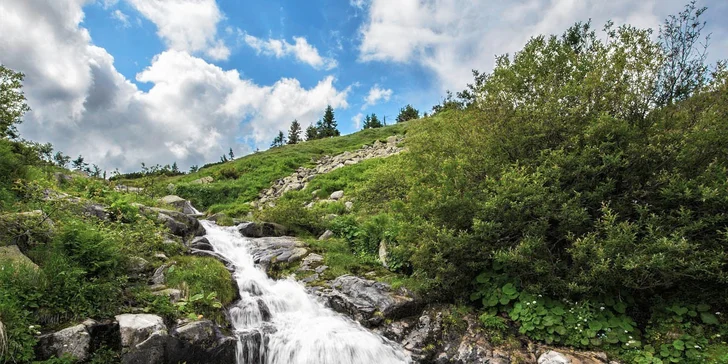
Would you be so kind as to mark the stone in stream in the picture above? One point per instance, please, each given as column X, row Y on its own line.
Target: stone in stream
column 262, row 229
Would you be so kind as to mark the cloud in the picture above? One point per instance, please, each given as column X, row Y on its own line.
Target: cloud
column 358, row 3
column 121, row 17
column 186, row 25
column 193, row 112
column 300, row 49
column 357, row 119
column 375, row 94
column 452, row 37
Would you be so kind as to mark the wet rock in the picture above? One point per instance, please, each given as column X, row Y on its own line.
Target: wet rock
column 74, row 340
column 260, row 230
column 179, row 224
column 337, row 195
column 369, row 302
column 276, row 249
column 197, row 332
column 328, row 234
column 201, row 243
column 206, row 253
column 180, row 204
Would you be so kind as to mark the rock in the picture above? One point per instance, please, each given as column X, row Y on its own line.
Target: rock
column 197, row 332
column 260, row 230
column 370, row 302
column 62, row 178
column 180, row 204
column 96, row 210
column 337, row 195
column 349, row 205
column 179, row 224
column 74, row 340
column 276, row 249
column 383, row 253
column 328, row 234
column 158, row 276
column 201, row 243
column 136, row 328
column 392, row 140
column 161, row 256
column 553, row 357
column 206, row 253
column 138, row 265
column 203, row 180
column 12, row 255
column 311, row 261
column 173, row 294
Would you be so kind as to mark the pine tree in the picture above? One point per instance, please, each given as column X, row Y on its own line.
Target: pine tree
column 408, row 113
column 175, row 169
column 231, row 154
column 372, row 121
column 328, row 124
column 294, row 133
column 279, row 140
column 78, row 163
column 311, row 132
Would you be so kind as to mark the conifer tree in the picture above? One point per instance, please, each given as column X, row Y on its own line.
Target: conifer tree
column 294, row 133
column 311, row 132
column 328, row 124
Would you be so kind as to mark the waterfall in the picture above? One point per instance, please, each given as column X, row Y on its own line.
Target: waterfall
column 278, row 322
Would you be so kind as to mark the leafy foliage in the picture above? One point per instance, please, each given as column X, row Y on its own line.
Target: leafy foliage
column 12, row 102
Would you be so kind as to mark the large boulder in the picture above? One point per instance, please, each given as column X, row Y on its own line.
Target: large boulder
column 262, row 229
column 74, row 341
column 180, row 204
column 276, row 250
column 145, row 339
column 12, row 255
column 369, row 302
column 179, row 223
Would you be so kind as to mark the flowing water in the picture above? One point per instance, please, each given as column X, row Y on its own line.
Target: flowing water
column 279, row 323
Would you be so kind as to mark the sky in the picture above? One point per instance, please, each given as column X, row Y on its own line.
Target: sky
column 123, row 82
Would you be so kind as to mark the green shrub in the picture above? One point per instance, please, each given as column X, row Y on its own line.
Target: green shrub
column 208, row 285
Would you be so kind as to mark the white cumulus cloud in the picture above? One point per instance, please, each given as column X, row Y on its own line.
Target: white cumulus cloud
column 121, row 17
column 193, row 112
column 186, row 25
column 376, row 94
column 300, row 49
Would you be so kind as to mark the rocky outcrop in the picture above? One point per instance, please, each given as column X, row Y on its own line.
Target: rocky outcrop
column 266, row 251
column 179, row 223
column 180, row 204
column 203, row 180
column 369, row 302
column 146, row 339
column 299, row 179
column 261, row 229
column 79, row 341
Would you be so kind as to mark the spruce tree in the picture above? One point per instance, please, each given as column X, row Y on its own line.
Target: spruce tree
column 294, row 133
column 328, row 124
column 231, row 154
column 408, row 113
column 311, row 132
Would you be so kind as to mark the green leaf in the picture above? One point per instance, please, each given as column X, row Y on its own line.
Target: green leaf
column 504, row 300
column 595, row 325
column 620, row 307
column 709, row 318
column 558, row 310
column 211, row 296
column 475, row 296
column 192, row 316
column 703, row 307
column 490, row 301
column 197, row 297
column 679, row 345
column 509, row 289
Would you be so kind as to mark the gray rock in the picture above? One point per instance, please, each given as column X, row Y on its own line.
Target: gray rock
column 311, row 261
column 179, row 203
column 173, row 294
column 74, row 340
column 12, row 255
column 337, row 195
column 179, row 223
column 260, row 230
column 370, row 302
column 349, row 205
column 553, row 357
column 197, row 332
column 276, row 249
column 203, row 180
column 136, row 328
column 392, row 140
column 138, row 265
column 96, row 210
column 201, row 243
column 328, row 234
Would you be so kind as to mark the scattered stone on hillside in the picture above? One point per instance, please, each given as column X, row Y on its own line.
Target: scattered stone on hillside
column 349, row 205
column 12, row 255
column 138, row 265
column 203, row 180
column 173, row 294
column 262, row 229
column 392, row 140
column 123, row 188
column 74, row 340
column 96, row 210
column 328, row 234
column 337, row 195
column 551, row 356
column 369, row 302
column 302, row 176
column 161, row 256
column 330, row 217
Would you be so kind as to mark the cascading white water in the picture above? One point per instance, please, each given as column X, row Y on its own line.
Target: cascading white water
column 279, row 323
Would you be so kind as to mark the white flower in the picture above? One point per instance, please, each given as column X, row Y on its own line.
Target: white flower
column 65, row 345
column 717, row 313
column 627, row 344
column 697, row 346
column 630, row 337
column 625, row 331
column 540, row 296
column 534, row 302
column 601, row 308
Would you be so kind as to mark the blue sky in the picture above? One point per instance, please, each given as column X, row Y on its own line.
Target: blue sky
column 160, row 81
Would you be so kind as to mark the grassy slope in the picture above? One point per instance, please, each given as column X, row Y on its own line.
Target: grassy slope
column 240, row 181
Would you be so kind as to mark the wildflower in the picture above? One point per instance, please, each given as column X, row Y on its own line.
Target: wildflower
column 625, row 331
column 697, row 346
column 717, row 313
column 534, row 302
column 601, row 308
